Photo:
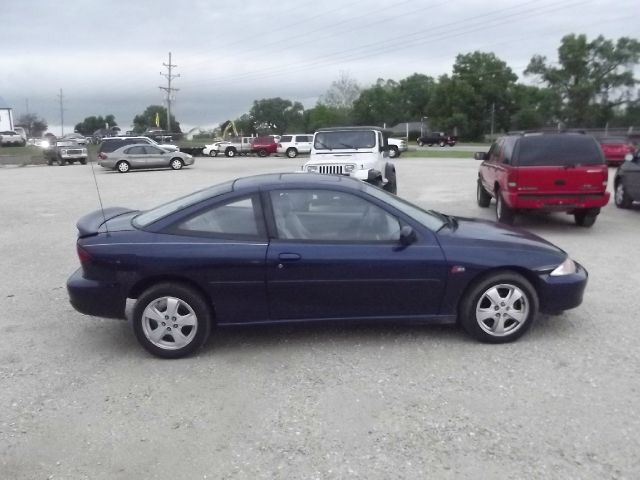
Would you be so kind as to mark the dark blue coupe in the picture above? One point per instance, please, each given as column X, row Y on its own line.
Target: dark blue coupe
column 301, row 247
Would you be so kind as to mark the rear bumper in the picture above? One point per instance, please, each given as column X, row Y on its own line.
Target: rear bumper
column 555, row 203
column 99, row 299
column 562, row 292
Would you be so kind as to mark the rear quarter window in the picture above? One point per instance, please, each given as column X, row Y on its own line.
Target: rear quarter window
column 285, row 138
column 558, row 150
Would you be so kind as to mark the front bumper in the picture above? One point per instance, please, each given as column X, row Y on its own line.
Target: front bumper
column 96, row 298
column 563, row 292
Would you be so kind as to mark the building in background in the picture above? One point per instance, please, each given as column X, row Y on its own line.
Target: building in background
column 6, row 116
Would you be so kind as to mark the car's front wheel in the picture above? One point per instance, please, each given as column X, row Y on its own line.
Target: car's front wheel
column 292, row 152
column 176, row 164
column 213, row 153
column 420, row 143
column 171, row 320
column 622, row 198
column 393, row 151
column 483, row 197
column 499, row 308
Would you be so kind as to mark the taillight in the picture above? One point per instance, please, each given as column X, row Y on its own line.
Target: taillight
column 84, row 256
column 102, row 156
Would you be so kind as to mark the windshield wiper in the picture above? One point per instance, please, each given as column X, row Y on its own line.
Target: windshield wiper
column 448, row 220
column 323, row 145
column 345, row 145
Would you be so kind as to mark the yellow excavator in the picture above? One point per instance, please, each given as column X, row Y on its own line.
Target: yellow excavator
column 228, row 126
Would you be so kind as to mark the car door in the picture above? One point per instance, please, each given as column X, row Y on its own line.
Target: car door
column 337, row 255
column 156, row 157
column 303, row 143
column 224, row 249
column 631, row 177
column 489, row 168
column 136, row 156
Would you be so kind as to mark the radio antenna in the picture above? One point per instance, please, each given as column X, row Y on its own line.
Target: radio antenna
column 95, row 180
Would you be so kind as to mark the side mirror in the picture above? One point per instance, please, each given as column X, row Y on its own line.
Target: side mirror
column 407, row 236
column 480, row 155
column 628, row 157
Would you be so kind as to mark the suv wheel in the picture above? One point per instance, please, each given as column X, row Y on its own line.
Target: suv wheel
column 484, row 199
column 393, row 151
column 292, row 152
column 622, row 198
column 504, row 213
column 392, row 182
column 420, row 143
column 586, row 217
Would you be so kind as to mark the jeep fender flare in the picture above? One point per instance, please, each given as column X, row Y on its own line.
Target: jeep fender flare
column 367, row 175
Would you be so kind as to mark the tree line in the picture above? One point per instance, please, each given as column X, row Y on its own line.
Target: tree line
column 591, row 85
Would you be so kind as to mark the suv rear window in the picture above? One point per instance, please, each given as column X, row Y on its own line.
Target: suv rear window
column 285, row 138
column 558, row 150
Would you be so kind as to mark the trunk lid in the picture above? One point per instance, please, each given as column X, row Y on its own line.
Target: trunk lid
column 115, row 218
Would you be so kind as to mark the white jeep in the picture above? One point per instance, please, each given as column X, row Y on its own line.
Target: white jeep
column 360, row 152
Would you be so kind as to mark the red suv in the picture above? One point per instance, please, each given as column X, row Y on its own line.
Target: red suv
column 264, row 146
column 551, row 172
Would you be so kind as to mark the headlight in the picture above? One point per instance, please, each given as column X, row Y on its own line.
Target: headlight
column 349, row 168
column 63, row 152
column 565, row 268
column 312, row 168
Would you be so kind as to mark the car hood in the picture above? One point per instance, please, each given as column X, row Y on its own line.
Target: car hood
column 485, row 242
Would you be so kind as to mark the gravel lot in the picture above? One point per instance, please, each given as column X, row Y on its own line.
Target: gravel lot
column 82, row 400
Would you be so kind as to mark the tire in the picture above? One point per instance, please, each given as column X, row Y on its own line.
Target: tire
column 262, row 153
column 586, row 217
column 292, row 152
column 483, row 197
column 123, row 166
column 489, row 313
column 230, row 152
column 420, row 143
column 213, row 153
column 452, row 144
column 61, row 162
column 621, row 197
column 429, row 144
column 504, row 213
column 392, row 182
column 176, row 312
column 83, row 161
column 393, row 151
column 176, row 163
column 442, row 143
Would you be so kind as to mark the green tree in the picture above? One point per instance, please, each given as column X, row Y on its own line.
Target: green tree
column 592, row 77
column 414, row 94
column 378, row 104
column 245, row 125
column 276, row 115
column 148, row 120
column 93, row 123
column 34, row 125
column 323, row 115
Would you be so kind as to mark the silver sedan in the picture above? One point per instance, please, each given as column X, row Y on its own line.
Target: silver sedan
column 143, row 156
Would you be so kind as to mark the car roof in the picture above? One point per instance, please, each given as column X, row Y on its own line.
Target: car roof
column 295, row 179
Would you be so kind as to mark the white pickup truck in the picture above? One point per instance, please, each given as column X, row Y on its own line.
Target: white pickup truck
column 236, row 146
column 360, row 152
column 396, row 146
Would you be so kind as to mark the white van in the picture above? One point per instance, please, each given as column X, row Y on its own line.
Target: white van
column 360, row 152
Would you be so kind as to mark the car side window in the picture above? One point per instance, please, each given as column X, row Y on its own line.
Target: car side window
column 135, row 151
column 495, row 151
column 331, row 216
column 239, row 218
column 151, row 150
column 508, row 151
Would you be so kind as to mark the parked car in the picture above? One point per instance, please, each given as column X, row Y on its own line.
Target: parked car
column 396, row 146
column 627, row 181
column 615, row 149
column 294, row 144
column 550, row 172
column 306, row 248
column 264, row 146
column 11, row 138
column 63, row 151
column 22, row 132
column 111, row 144
column 360, row 152
column 437, row 138
column 143, row 156
column 213, row 149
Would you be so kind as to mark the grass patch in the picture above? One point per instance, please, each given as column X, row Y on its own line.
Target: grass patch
column 28, row 150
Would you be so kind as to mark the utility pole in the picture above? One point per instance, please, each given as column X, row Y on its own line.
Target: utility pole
column 169, row 76
column 61, row 97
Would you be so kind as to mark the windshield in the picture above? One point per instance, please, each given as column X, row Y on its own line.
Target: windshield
column 430, row 220
column 349, row 139
column 155, row 214
column 559, row 150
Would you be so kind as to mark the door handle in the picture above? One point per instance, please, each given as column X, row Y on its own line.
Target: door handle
column 289, row 257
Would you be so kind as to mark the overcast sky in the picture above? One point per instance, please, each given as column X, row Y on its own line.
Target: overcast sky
column 107, row 56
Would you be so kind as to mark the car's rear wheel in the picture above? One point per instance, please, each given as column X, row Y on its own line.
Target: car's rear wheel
column 213, row 153
column 586, row 217
column 443, row 143
column 499, row 308
column 622, row 198
column 292, row 152
column 171, row 320
column 420, row 143
column 123, row 167
column 230, row 152
column 176, row 164
column 262, row 152
column 83, row 161
column 504, row 213
column 483, row 197
column 393, row 151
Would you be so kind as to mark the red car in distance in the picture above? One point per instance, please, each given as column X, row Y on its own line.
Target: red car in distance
column 264, row 146
column 615, row 148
